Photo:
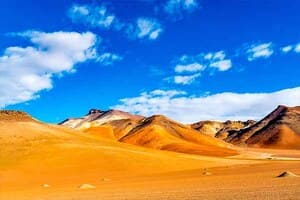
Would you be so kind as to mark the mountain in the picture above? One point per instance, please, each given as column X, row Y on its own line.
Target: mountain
column 97, row 117
column 219, row 129
column 279, row 129
column 157, row 132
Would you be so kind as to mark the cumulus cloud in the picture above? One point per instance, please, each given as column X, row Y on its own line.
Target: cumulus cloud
column 264, row 50
column 95, row 16
column 297, row 48
column 189, row 68
column 176, row 8
column 27, row 70
column 185, row 80
column 221, row 106
column 222, row 65
column 145, row 28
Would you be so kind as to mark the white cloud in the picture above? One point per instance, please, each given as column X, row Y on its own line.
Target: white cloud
column 108, row 58
column 193, row 67
column 166, row 93
column 177, row 7
column 185, row 80
column 196, row 64
column 297, row 48
column 27, row 70
column 221, row 65
column 219, row 55
column 145, row 28
column 264, row 50
column 286, row 49
column 95, row 16
column 222, row 106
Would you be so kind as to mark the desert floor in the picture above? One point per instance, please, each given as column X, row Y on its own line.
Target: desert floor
column 38, row 161
column 234, row 179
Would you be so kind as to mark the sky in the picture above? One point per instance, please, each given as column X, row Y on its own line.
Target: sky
column 188, row 59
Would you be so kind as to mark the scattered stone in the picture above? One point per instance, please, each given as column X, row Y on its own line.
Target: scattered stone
column 45, row 185
column 286, row 174
column 206, row 173
column 86, row 186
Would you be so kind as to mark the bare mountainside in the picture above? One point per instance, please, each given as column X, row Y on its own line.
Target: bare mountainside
column 220, row 129
column 97, row 117
column 279, row 129
column 157, row 132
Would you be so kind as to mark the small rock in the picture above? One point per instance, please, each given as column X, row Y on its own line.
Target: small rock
column 86, row 186
column 287, row 174
column 106, row 179
column 207, row 173
column 45, row 185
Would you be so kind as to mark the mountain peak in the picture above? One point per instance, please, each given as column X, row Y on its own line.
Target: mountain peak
column 14, row 115
column 93, row 111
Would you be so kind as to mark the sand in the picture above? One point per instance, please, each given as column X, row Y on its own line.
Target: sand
column 33, row 155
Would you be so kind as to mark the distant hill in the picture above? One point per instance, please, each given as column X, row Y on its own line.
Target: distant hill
column 220, row 129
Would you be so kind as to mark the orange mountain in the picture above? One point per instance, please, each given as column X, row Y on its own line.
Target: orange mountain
column 157, row 132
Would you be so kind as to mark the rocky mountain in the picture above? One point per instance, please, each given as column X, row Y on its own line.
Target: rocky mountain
column 279, row 129
column 157, row 132
column 160, row 132
column 220, row 129
column 97, row 117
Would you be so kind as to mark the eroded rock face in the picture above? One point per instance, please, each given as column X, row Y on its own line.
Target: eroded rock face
column 97, row 117
column 279, row 129
column 221, row 129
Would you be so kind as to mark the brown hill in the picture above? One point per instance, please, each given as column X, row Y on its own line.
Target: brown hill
column 279, row 129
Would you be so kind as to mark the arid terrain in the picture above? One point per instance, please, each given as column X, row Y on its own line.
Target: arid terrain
column 117, row 155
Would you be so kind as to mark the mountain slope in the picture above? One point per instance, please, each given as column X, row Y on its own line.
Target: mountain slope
column 159, row 132
column 279, row 129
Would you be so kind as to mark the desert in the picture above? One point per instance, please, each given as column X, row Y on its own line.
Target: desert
column 149, row 100
column 157, row 158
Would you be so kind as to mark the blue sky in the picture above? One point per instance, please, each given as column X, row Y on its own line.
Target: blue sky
column 188, row 59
